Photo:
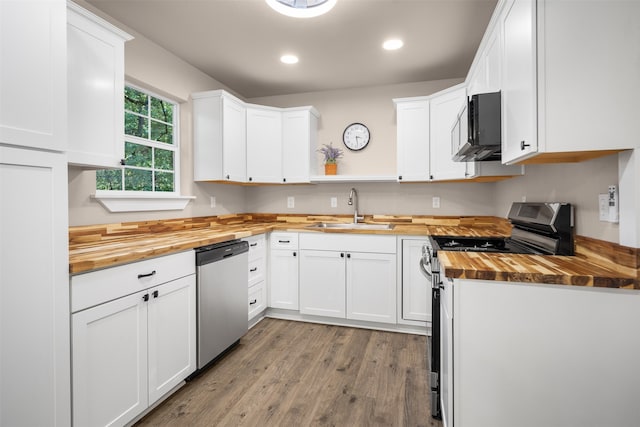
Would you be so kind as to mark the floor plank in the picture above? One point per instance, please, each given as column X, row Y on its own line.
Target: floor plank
column 286, row 373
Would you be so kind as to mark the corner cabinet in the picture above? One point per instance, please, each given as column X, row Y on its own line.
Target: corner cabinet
column 95, row 85
column 219, row 137
column 133, row 337
column 351, row 276
column 246, row 143
column 569, row 95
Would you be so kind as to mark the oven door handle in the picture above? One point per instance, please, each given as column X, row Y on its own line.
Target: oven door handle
column 424, row 270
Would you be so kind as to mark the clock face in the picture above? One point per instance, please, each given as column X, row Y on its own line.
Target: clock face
column 356, row 136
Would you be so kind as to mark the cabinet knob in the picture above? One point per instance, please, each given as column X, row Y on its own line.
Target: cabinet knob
column 430, row 176
column 284, row 179
column 348, row 255
column 524, row 145
column 228, row 177
column 295, row 254
column 145, row 297
column 250, row 179
column 400, row 178
column 155, row 294
column 122, row 162
column 341, row 255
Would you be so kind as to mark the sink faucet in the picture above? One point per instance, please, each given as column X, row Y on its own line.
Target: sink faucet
column 353, row 194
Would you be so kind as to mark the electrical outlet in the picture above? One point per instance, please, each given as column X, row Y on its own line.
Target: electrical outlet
column 524, row 199
column 435, row 201
column 213, row 201
column 334, row 202
column 291, row 202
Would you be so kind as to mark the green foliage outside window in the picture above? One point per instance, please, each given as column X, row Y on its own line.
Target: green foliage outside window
column 149, row 146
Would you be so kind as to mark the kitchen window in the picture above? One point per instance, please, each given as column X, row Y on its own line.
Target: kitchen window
column 151, row 168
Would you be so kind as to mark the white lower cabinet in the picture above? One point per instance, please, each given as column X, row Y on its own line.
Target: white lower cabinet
column 416, row 288
column 351, row 277
column 257, row 293
column 283, row 277
column 130, row 351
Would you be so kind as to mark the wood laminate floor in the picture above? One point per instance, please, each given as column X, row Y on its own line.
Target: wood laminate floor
column 286, row 373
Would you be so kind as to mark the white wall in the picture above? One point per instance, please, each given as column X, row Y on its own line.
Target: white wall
column 577, row 183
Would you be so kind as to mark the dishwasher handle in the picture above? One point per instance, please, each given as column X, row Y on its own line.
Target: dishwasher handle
column 208, row 254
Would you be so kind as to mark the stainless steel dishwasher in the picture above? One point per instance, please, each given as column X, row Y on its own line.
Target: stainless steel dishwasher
column 222, row 295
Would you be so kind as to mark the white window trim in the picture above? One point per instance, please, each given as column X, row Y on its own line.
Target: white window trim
column 144, row 201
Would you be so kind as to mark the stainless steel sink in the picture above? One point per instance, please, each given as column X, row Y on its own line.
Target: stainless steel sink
column 351, row 226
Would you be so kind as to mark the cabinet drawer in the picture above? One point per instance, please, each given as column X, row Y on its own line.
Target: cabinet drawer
column 257, row 299
column 256, row 271
column 348, row 242
column 256, row 246
column 284, row 240
column 100, row 286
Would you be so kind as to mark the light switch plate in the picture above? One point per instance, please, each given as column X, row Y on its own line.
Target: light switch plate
column 435, row 202
column 291, row 202
column 213, row 201
column 334, row 202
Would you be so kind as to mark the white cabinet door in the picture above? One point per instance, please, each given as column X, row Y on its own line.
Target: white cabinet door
column 416, row 288
column 519, row 113
column 444, row 113
column 413, row 140
column 234, row 140
column 283, row 283
column 322, row 283
column 299, row 134
column 371, row 287
column 33, row 46
column 171, row 335
column 110, row 362
column 446, row 353
column 95, row 81
column 493, row 61
column 34, row 289
column 264, row 145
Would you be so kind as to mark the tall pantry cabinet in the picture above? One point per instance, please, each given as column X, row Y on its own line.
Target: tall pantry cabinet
column 34, row 281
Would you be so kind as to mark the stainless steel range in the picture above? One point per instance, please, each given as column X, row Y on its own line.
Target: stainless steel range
column 538, row 228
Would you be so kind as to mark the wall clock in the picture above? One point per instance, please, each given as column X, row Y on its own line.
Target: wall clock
column 356, row 136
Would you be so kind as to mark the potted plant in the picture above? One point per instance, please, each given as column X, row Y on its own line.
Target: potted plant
column 331, row 155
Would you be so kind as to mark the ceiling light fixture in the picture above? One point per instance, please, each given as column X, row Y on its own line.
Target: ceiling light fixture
column 289, row 59
column 302, row 8
column 393, row 44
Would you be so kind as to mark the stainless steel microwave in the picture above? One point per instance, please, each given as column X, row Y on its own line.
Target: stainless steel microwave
column 484, row 130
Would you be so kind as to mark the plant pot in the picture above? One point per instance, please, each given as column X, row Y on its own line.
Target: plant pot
column 330, row 168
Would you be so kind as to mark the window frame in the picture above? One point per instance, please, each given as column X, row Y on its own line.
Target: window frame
column 136, row 200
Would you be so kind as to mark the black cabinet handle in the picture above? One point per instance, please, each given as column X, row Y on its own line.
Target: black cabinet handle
column 253, row 269
column 250, row 179
column 348, row 255
column 341, row 255
column 145, row 297
column 284, row 241
column 294, row 254
column 253, row 244
column 524, row 145
column 284, row 179
column 155, row 294
column 400, row 178
column 122, row 162
column 253, row 302
column 153, row 273
column 430, row 176
column 228, row 177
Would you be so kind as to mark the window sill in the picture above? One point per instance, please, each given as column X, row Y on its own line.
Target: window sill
column 141, row 202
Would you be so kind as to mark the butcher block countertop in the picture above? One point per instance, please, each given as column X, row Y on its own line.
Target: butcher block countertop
column 106, row 245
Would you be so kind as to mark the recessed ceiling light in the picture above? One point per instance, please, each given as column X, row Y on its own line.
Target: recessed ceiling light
column 302, row 8
column 393, row 44
column 289, row 59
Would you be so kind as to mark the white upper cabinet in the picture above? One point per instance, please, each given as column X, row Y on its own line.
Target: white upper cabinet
column 413, row 139
column 95, row 86
column 299, row 134
column 264, row 145
column 219, row 137
column 33, row 46
column 239, row 142
column 445, row 107
column 569, row 92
